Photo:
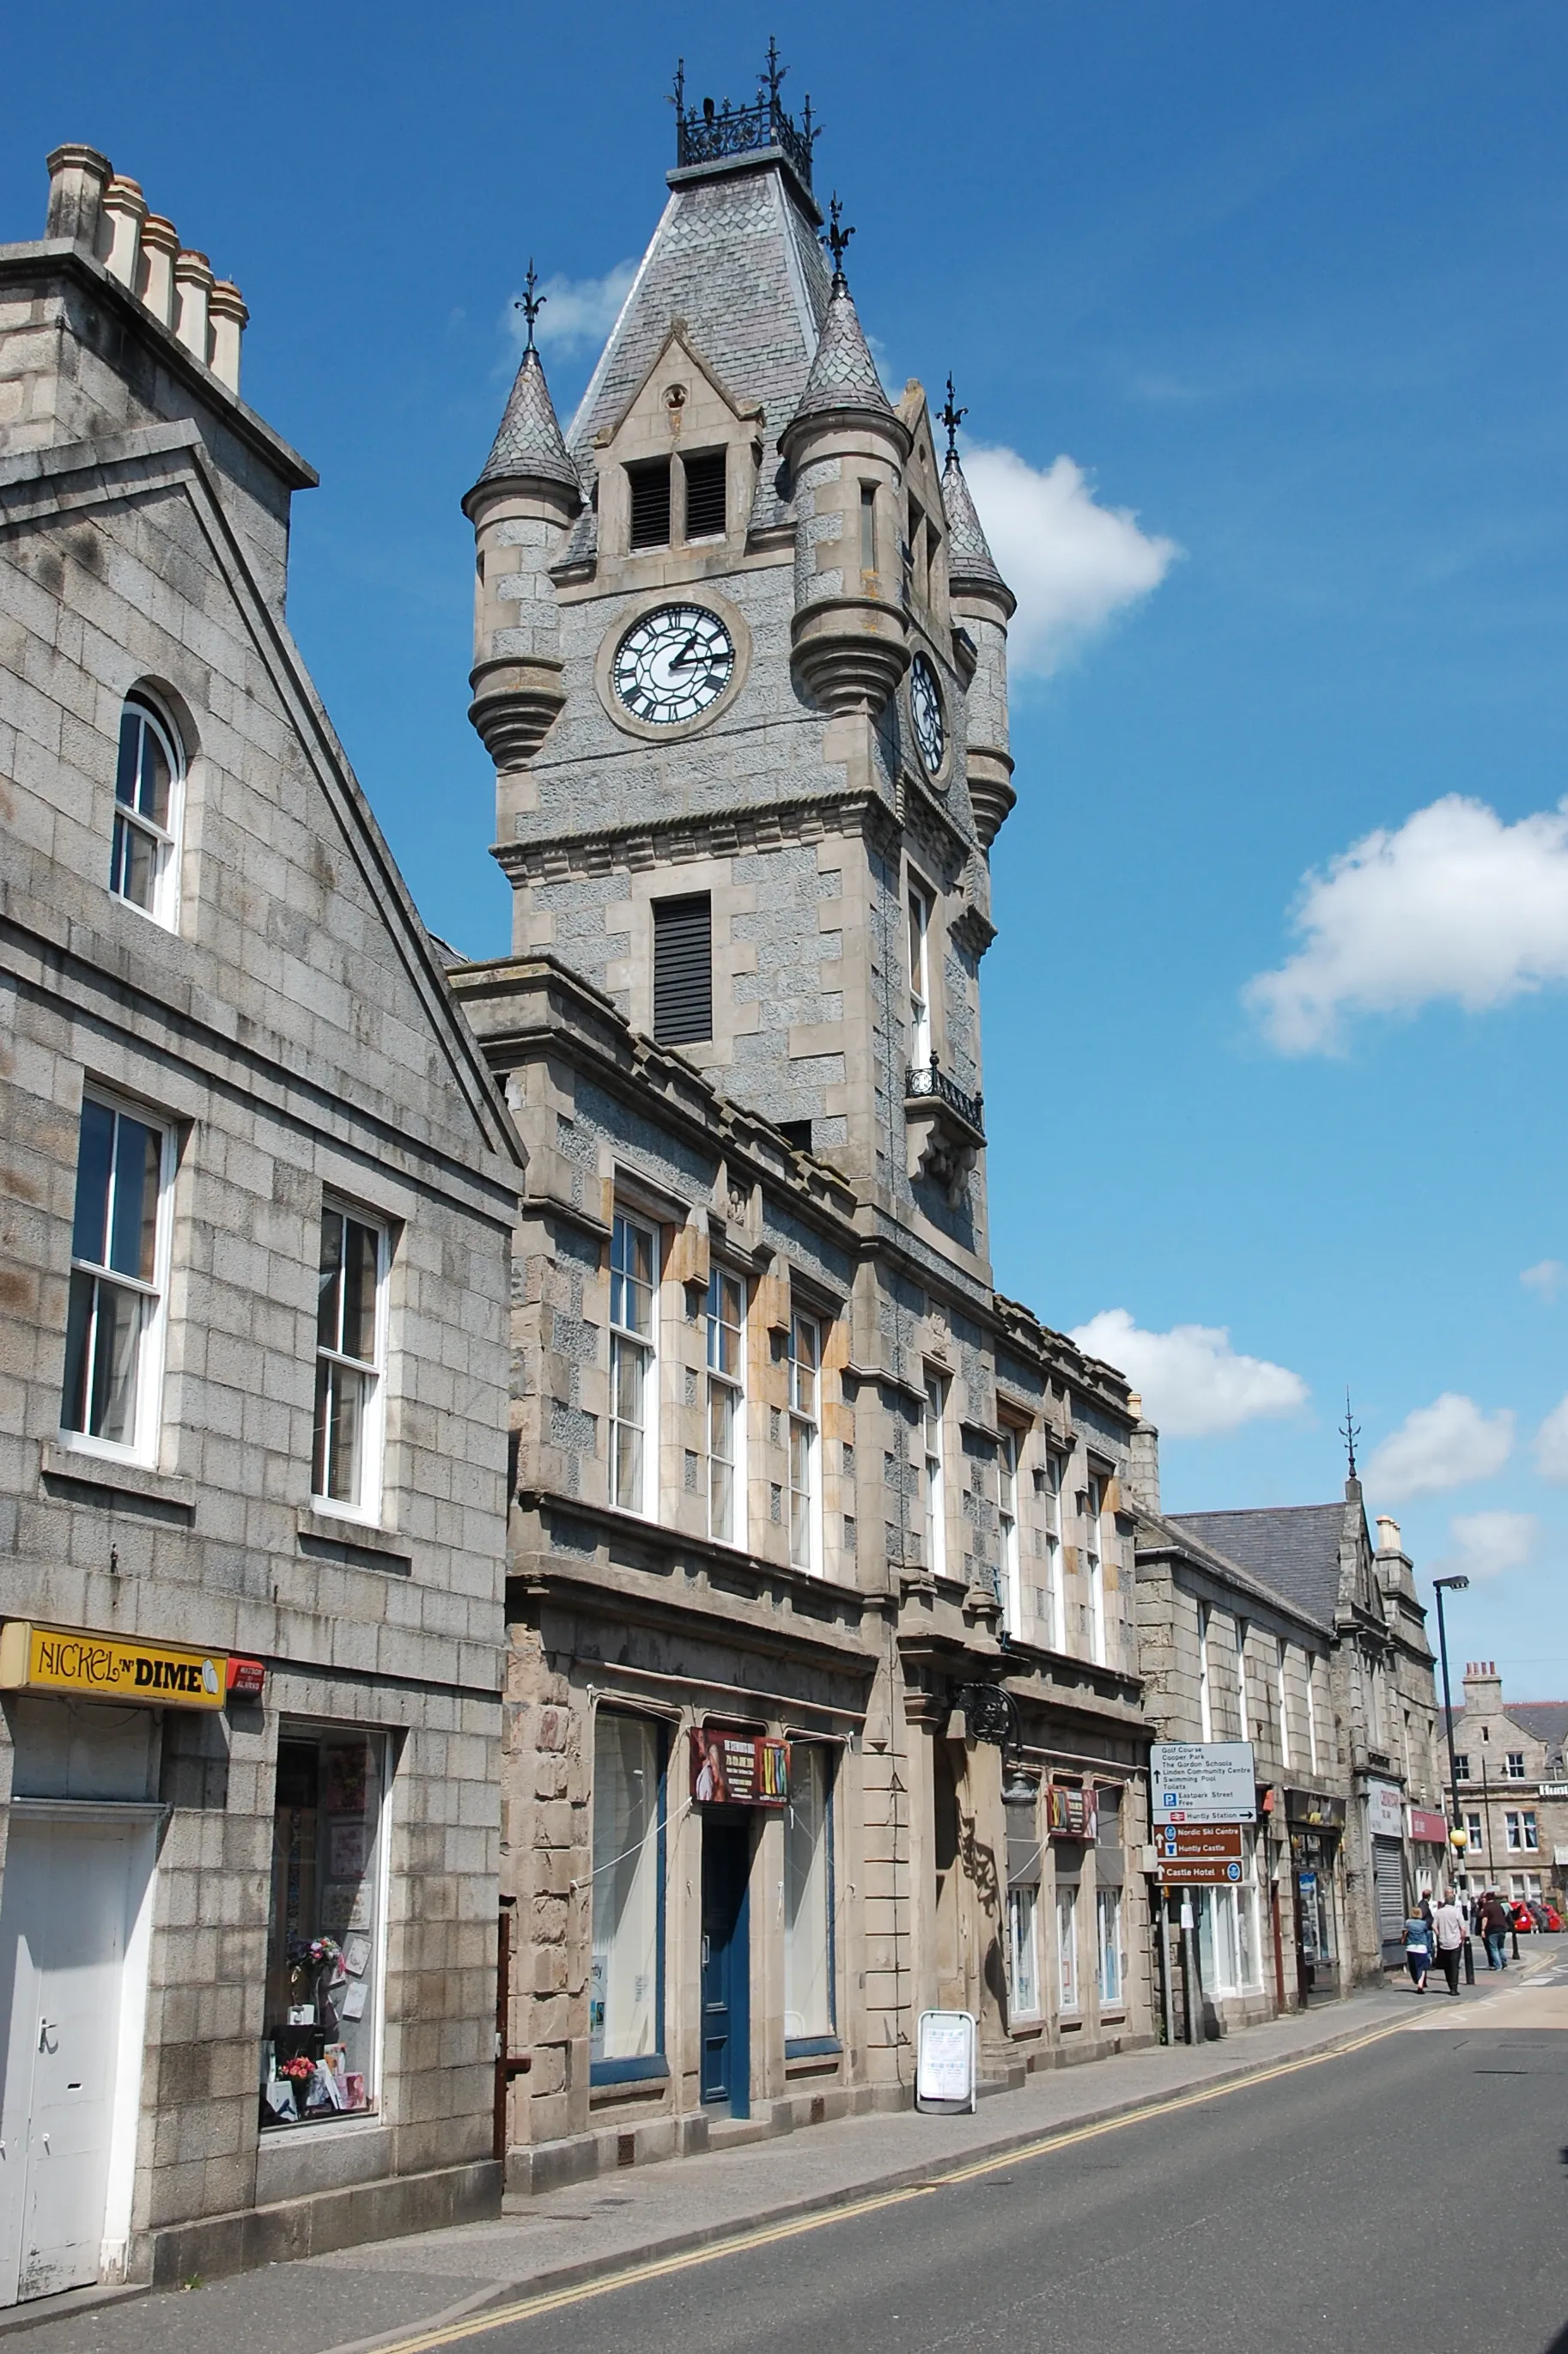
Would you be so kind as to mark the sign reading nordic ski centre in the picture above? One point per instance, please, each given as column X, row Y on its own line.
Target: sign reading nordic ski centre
column 1203, row 1782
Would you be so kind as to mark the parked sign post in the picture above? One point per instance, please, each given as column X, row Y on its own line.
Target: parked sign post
column 1203, row 1782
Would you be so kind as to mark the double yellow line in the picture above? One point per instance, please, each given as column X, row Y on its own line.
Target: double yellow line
column 768, row 2235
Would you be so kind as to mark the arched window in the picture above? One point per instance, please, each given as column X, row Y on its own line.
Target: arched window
column 149, row 794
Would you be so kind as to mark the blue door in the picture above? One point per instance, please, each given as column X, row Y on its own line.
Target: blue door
column 726, row 1965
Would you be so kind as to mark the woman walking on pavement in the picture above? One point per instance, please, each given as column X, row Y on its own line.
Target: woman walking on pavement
column 1417, row 1950
column 1448, row 1927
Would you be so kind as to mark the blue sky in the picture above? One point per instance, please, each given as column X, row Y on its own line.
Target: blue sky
column 1284, row 284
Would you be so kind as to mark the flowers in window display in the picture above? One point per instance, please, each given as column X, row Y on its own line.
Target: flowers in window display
column 312, row 1954
column 299, row 2070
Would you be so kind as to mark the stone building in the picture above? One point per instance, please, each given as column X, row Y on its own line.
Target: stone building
column 808, row 1514
column 258, row 1196
column 1513, row 1780
column 1370, row 1820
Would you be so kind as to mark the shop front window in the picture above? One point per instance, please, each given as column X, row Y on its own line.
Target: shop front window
column 1229, row 1953
column 626, row 2024
column 808, row 1897
column 1024, row 1847
column 1067, row 1944
column 1108, row 1923
column 1312, row 1860
column 325, row 1958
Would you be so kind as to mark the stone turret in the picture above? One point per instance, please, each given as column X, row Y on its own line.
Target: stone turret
column 983, row 605
column 524, row 502
column 845, row 448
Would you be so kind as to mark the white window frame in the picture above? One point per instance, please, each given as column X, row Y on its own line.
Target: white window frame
column 1461, row 1766
column 1532, row 1832
column 805, row 1445
column 1205, row 1696
column 918, row 908
column 1311, row 1659
column 1475, row 1828
column 146, row 1417
column 1069, row 1991
column 1513, row 1766
column 1011, row 1565
column 625, row 1338
column 1094, row 1566
column 1055, row 1590
column 1243, row 1629
column 810, row 1944
column 1023, row 1949
column 933, row 1474
column 1282, row 1659
column 365, row 1506
column 733, row 1386
column 1221, row 1911
column 164, row 905
column 1112, row 1981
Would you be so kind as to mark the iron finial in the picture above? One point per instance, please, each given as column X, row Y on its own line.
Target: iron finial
column 679, row 93
column 952, row 418
column 1350, row 1431
column 773, row 73
column 530, row 304
column 836, row 239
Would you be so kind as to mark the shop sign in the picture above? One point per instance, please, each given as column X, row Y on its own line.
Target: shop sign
column 730, row 1769
column 1198, row 1855
column 1199, row 1872
column 1552, row 1790
column 1315, row 1807
column 1430, row 1828
column 109, row 1666
column 945, row 2061
column 1071, row 1812
column 1385, row 1810
column 1203, row 1782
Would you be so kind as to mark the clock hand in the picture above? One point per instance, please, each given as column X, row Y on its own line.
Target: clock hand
column 682, row 661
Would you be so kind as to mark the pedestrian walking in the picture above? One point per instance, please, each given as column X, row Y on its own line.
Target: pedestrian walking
column 1494, row 1928
column 1417, row 1951
column 1448, row 1927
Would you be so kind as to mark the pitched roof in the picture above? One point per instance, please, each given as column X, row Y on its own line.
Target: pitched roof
column 969, row 560
column 1161, row 1532
column 1545, row 1720
column 843, row 373
column 529, row 443
column 1292, row 1547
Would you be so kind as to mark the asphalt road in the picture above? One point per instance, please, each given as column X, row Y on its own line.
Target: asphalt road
column 1409, row 2195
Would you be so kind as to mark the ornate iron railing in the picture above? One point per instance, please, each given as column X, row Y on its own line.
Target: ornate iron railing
column 708, row 133
column 930, row 1079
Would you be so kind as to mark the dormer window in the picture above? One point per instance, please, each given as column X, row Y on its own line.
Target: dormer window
column 704, row 472
column 649, row 483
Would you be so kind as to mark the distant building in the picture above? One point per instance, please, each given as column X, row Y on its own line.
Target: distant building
column 1513, row 1788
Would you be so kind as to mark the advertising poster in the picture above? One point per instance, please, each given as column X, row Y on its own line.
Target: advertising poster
column 730, row 1769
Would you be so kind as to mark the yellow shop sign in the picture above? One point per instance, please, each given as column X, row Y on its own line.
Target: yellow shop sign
column 109, row 1666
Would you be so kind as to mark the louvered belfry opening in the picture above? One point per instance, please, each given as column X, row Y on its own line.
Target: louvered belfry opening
column 705, row 494
column 650, row 502
column 682, row 969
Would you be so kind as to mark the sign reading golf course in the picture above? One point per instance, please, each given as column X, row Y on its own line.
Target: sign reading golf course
column 1203, row 1782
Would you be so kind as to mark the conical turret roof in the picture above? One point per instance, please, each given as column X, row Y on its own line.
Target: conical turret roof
column 529, row 442
column 843, row 373
column 971, row 563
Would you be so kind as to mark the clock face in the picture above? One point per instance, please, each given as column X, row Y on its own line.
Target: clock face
column 926, row 702
column 672, row 664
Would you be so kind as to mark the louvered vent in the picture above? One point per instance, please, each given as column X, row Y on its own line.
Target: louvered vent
column 683, row 971
column 649, row 503
column 704, row 495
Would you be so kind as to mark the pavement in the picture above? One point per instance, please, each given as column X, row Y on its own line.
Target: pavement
column 650, row 2221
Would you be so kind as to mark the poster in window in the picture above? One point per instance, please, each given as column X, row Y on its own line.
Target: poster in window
column 346, row 1780
column 346, row 1849
column 738, row 1770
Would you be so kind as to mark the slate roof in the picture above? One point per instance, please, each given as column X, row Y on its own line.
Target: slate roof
column 1159, row 1533
column 969, row 559
column 736, row 259
column 529, row 442
column 1293, row 1547
column 843, row 373
column 1542, row 1719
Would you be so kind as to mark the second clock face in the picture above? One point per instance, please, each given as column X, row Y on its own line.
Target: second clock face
column 926, row 702
column 672, row 664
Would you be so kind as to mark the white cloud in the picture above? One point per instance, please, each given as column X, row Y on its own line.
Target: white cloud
column 579, row 313
column 1545, row 1278
column 1452, row 904
column 1192, row 1382
column 1486, row 1544
column 1552, row 1444
column 1072, row 564
column 1444, row 1444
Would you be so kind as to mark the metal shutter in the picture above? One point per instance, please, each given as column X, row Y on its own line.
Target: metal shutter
column 683, row 971
column 650, row 502
column 1388, row 1890
column 705, row 494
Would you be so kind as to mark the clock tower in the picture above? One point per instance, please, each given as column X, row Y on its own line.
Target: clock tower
column 740, row 660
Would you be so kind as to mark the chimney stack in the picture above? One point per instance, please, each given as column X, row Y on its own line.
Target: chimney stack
column 119, row 231
column 1388, row 1534
column 93, row 205
column 77, row 178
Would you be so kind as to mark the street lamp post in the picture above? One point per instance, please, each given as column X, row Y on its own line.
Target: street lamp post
column 1456, row 1585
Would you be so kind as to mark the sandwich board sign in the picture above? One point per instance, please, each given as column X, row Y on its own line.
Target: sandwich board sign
column 1203, row 1782
column 945, row 2061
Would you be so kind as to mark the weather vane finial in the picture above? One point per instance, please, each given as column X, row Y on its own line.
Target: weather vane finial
column 952, row 418
column 774, row 73
column 1350, row 1431
column 679, row 93
column 836, row 239
column 530, row 305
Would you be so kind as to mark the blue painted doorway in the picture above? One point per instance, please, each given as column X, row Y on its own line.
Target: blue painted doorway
column 727, row 1965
